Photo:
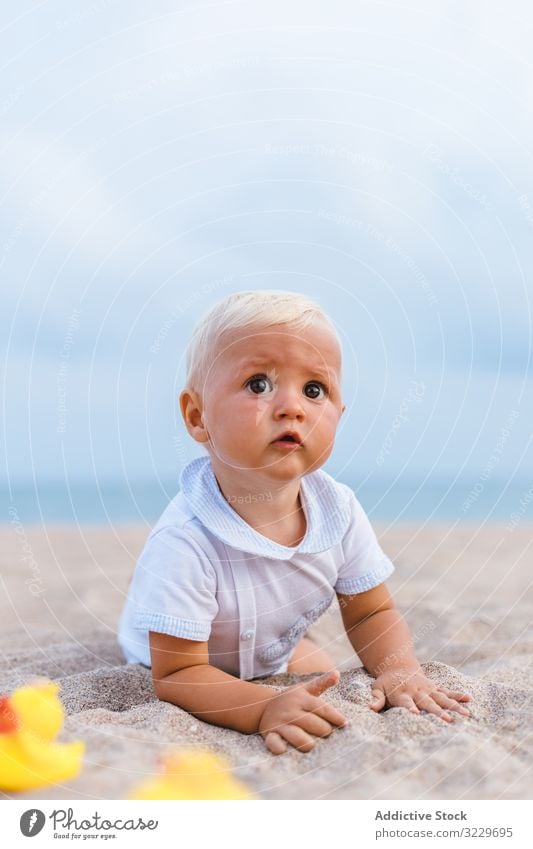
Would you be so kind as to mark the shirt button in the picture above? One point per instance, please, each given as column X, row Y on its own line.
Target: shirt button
column 247, row 635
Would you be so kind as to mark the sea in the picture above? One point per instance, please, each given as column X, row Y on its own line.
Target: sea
column 388, row 500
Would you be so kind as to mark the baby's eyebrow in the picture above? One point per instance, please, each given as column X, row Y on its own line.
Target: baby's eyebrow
column 266, row 365
column 255, row 363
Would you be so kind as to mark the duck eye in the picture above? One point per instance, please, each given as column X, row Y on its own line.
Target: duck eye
column 314, row 390
column 259, row 384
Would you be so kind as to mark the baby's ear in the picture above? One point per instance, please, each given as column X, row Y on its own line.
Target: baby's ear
column 343, row 409
column 191, row 410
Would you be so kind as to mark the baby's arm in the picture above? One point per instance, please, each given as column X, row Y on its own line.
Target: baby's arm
column 182, row 675
column 381, row 638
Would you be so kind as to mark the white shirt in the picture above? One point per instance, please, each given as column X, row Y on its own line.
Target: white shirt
column 205, row 574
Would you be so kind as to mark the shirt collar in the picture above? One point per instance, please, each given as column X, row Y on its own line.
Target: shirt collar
column 325, row 502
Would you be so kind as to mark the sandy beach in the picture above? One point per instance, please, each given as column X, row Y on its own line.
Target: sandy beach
column 464, row 589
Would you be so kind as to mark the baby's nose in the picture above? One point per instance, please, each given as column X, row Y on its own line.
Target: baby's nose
column 288, row 404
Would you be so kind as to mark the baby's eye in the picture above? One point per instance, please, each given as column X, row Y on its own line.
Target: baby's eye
column 315, row 390
column 259, row 384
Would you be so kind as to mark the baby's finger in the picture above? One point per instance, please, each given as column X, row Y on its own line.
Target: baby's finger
column 326, row 711
column 275, row 743
column 297, row 737
column 455, row 694
column 378, row 699
column 445, row 702
column 322, row 682
column 406, row 701
column 314, row 725
column 426, row 702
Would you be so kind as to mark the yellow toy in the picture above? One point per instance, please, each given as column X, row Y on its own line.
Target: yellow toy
column 193, row 774
column 30, row 720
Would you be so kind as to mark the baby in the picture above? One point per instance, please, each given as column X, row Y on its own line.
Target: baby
column 259, row 540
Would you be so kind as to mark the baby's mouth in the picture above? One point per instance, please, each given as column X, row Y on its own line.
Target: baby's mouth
column 288, row 438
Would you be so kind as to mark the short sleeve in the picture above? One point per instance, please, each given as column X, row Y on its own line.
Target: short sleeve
column 173, row 590
column 365, row 563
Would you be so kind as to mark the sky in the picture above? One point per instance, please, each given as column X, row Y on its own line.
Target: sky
column 375, row 156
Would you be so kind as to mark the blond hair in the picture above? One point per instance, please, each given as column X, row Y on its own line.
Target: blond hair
column 254, row 309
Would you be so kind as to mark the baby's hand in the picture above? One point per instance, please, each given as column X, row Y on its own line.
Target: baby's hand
column 298, row 713
column 412, row 690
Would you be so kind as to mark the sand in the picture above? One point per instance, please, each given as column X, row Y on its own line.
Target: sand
column 465, row 591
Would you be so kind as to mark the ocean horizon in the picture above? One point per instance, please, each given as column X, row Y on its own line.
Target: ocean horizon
column 394, row 499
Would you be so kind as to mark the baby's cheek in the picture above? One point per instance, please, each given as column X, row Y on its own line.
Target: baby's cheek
column 252, row 412
column 328, row 420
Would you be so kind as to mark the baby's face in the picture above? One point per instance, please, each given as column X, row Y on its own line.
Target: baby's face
column 263, row 383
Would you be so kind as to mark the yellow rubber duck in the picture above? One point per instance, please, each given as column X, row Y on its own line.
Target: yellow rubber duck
column 30, row 720
column 193, row 774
